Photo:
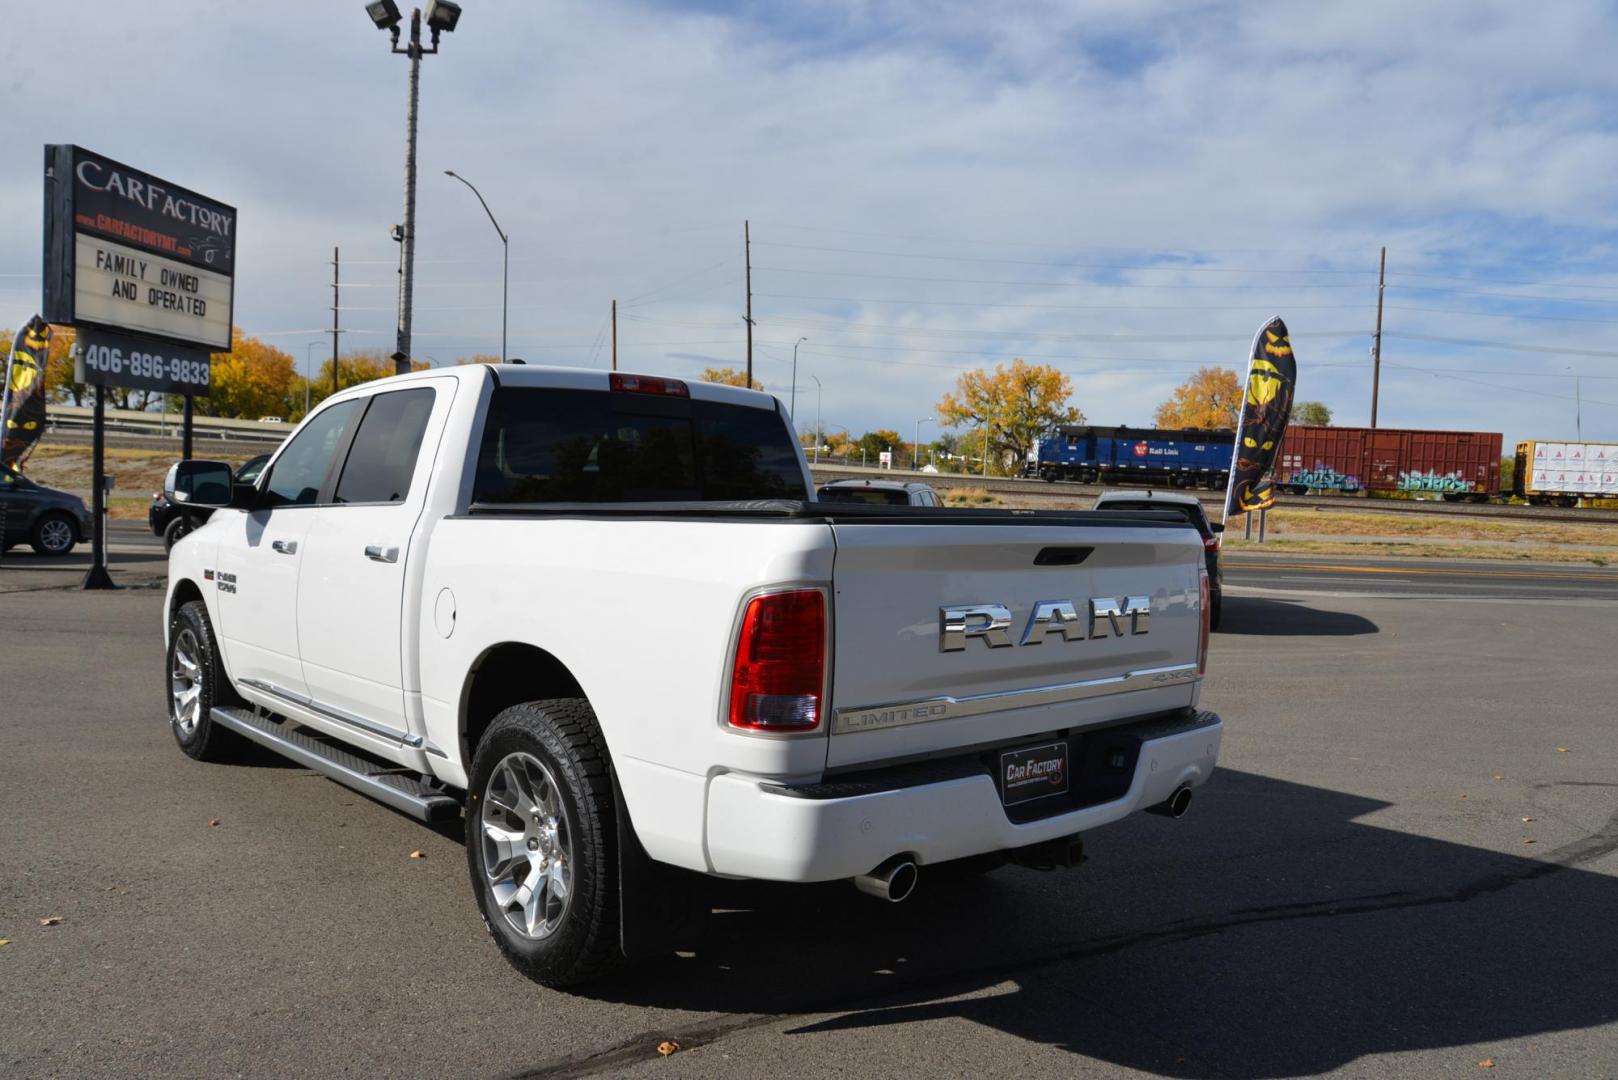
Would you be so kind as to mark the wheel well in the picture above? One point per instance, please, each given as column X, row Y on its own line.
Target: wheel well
column 185, row 592
column 507, row 675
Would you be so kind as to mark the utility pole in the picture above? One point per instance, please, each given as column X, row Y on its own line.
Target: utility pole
column 792, row 409
column 747, row 255
column 817, row 417
column 336, row 309
column 1376, row 339
column 505, row 258
column 615, row 335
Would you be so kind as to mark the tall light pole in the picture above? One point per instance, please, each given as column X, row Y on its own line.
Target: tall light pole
column 1578, row 404
column 792, row 409
column 442, row 16
column 817, row 417
column 915, row 455
column 505, row 264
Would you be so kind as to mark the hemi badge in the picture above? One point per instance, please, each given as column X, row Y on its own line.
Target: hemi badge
column 207, row 575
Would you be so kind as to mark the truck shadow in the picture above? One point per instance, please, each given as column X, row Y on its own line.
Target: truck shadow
column 1267, row 934
column 1261, row 616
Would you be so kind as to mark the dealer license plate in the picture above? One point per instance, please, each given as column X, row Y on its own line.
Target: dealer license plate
column 1033, row 772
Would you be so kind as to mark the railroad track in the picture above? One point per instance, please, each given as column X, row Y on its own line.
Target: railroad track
column 1068, row 491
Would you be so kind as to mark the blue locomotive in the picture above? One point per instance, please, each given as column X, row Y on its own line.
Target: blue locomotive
column 1113, row 455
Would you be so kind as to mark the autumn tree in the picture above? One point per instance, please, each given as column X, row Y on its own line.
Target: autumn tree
column 354, row 368
column 1209, row 400
column 728, row 377
column 1311, row 414
column 1017, row 405
column 253, row 379
column 873, row 443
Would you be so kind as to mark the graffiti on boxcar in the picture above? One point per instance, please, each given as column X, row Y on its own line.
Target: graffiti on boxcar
column 1323, row 478
column 1433, row 481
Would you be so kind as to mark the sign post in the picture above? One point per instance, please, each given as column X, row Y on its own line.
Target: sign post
column 145, row 271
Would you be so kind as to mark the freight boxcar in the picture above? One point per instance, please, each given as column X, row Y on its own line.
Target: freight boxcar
column 1561, row 473
column 1454, row 465
column 1133, row 455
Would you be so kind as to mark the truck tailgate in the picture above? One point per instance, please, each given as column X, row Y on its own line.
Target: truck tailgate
column 904, row 686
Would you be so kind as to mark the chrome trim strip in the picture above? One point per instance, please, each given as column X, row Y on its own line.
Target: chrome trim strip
column 435, row 750
column 926, row 710
column 330, row 713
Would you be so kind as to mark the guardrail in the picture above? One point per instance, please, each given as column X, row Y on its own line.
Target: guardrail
column 165, row 425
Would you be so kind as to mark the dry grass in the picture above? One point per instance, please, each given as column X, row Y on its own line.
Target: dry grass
column 968, row 496
column 1436, row 526
column 1496, row 553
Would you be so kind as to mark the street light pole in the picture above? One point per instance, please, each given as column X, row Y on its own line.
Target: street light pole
column 792, row 409
column 505, row 266
column 442, row 16
column 915, row 455
column 817, row 416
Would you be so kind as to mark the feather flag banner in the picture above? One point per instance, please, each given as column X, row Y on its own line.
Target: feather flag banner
column 1272, row 374
column 22, row 404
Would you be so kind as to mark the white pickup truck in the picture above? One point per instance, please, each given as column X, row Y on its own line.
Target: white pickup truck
column 604, row 618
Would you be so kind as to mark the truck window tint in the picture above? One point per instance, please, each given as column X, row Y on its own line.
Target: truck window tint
column 544, row 445
column 382, row 459
column 302, row 466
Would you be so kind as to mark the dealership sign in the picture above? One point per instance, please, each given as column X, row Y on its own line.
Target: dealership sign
column 132, row 254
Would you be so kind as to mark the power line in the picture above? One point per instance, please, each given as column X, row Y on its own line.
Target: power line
column 1063, row 265
column 1508, row 346
column 1042, row 284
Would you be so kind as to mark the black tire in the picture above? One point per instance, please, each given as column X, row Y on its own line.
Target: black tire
column 1215, row 603
column 53, row 534
column 563, row 736
column 180, row 526
column 199, row 737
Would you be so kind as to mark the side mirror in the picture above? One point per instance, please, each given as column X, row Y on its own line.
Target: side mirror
column 1216, row 526
column 198, row 483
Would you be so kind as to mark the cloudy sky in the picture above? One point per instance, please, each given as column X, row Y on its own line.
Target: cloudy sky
column 1125, row 189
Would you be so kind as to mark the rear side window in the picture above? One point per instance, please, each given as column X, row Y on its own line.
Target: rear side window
column 544, row 445
column 302, row 466
column 383, row 457
column 872, row 496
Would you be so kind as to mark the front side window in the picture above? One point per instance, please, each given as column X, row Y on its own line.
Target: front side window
column 382, row 459
column 550, row 445
column 301, row 469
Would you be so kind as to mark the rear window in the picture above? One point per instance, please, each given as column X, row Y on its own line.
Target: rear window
column 543, row 445
column 876, row 496
column 1193, row 514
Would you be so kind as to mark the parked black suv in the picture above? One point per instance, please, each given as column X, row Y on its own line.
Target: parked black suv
column 170, row 522
column 49, row 521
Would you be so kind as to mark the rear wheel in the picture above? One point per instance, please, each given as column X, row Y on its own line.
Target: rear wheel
column 53, row 535
column 196, row 683
column 541, row 841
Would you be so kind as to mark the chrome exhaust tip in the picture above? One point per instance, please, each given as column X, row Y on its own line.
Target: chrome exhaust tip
column 893, row 881
column 1175, row 805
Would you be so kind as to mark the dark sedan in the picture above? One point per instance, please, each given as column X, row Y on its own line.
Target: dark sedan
column 169, row 522
column 49, row 521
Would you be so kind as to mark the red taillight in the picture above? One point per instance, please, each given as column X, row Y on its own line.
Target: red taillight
column 1202, row 641
column 647, row 384
column 1210, row 543
column 779, row 674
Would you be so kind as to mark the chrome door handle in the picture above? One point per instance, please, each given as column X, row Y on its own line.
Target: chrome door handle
column 285, row 547
column 378, row 553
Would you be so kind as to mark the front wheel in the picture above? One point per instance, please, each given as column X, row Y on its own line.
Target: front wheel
column 196, row 683
column 180, row 526
column 541, row 841
column 54, row 535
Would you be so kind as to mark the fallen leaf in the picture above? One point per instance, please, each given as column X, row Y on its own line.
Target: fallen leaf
column 51, row 920
column 1528, row 819
column 1561, row 749
column 418, row 854
column 1486, row 1063
column 5, row 941
column 1529, row 840
column 213, row 823
column 1499, row 776
column 1463, row 794
column 667, row 1047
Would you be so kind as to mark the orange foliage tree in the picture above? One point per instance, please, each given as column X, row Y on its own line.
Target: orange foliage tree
column 1210, row 399
column 729, row 377
column 253, row 379
column 1017, row 404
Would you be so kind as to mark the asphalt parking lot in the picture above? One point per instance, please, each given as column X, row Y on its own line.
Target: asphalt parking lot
column 1407, row 865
